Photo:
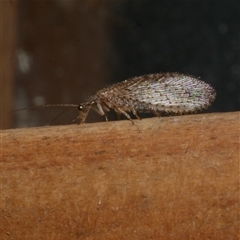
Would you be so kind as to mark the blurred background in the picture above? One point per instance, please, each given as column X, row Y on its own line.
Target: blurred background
column 64, row 51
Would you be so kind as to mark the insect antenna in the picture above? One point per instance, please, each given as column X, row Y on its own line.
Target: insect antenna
column 59, row 115
column 74, row 120
column 46, row 106
column 69, row 106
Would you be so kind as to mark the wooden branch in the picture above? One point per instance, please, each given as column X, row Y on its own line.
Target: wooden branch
column 162, row 178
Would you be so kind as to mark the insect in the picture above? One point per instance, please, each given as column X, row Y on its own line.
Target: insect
column 170, row 93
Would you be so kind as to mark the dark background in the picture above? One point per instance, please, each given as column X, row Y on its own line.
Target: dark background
column 67, row 50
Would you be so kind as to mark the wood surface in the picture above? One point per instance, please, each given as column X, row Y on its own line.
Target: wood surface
column 161, row 178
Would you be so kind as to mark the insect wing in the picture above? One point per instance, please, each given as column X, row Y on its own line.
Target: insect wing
column 171, row 93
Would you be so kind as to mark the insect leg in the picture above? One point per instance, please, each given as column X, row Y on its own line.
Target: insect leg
column 100, row 111
column 156, row 113
column 135, row 113
column 118, row 115
column 119, row 110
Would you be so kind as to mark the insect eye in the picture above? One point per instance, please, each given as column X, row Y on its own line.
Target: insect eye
column 80, row 107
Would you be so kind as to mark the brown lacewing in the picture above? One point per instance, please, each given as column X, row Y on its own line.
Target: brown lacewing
column 170, row 93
